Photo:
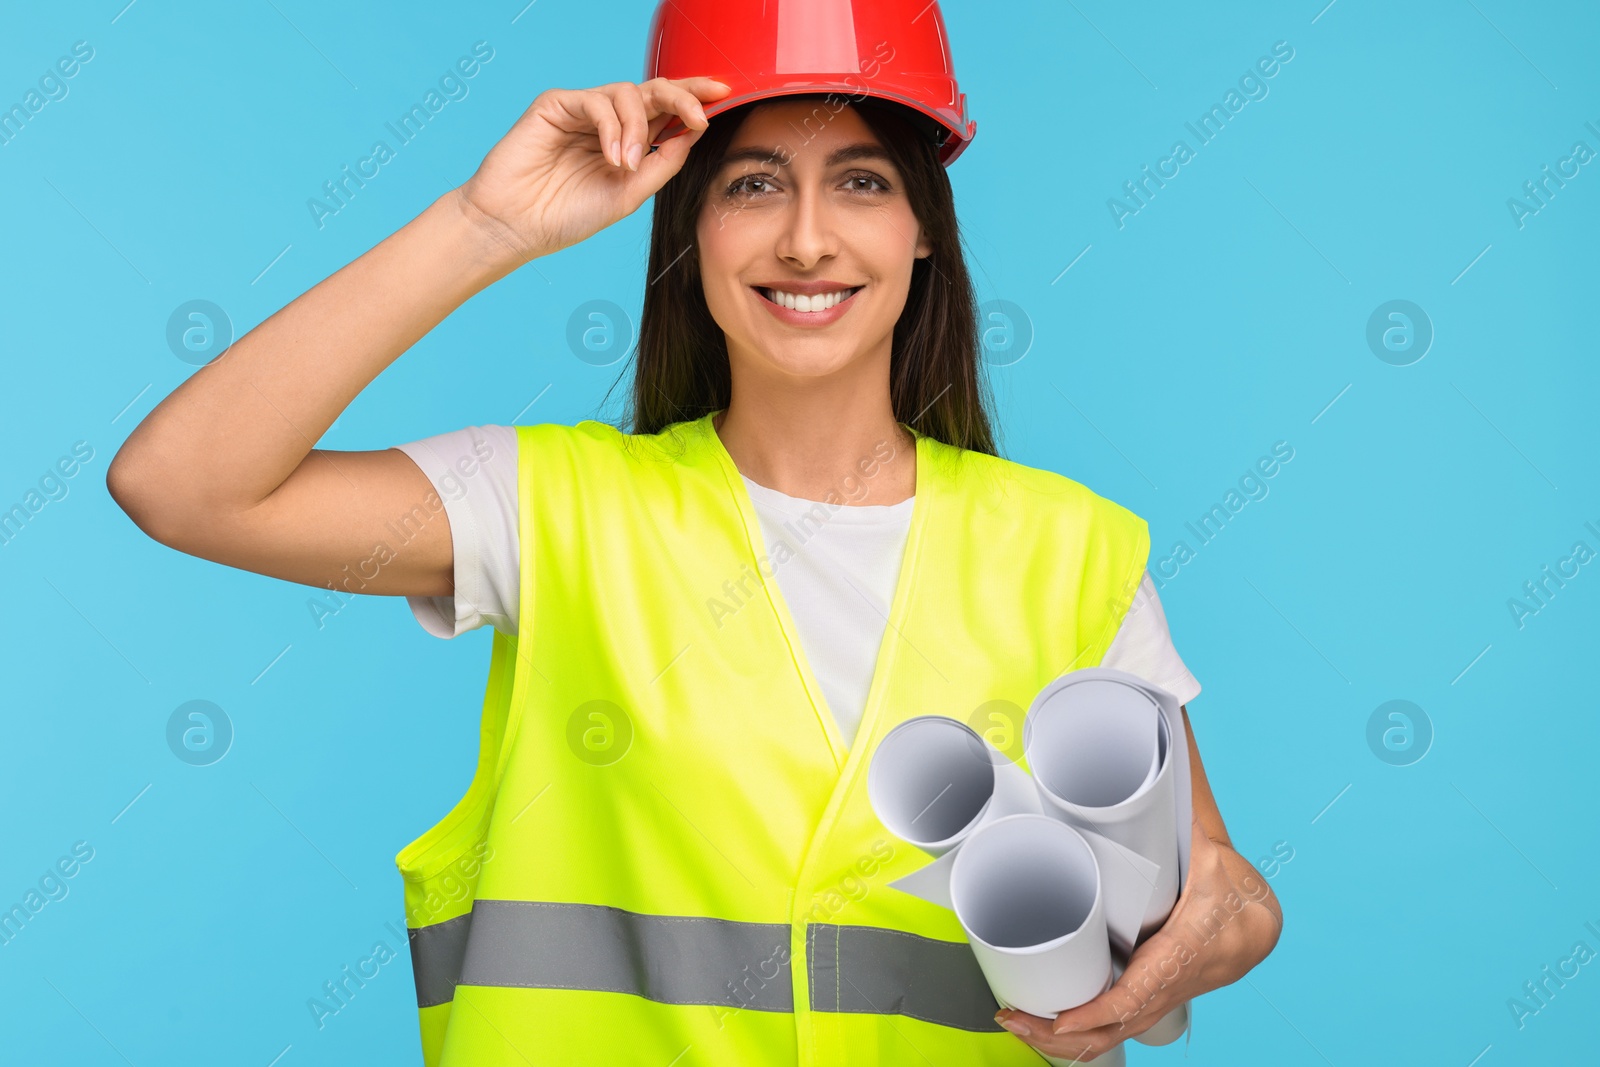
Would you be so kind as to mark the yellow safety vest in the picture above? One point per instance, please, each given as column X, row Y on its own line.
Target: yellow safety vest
column 666, row 856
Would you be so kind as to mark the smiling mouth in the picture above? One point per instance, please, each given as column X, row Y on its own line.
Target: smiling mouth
column 817, row 303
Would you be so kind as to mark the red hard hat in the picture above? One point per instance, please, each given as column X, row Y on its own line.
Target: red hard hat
column 895, row 50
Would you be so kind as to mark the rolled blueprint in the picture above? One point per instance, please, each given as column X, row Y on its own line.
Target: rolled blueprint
column 1110, row 756
column 1064, row 870
column 1026, row 889
column 1098, row 750
column 933, row 782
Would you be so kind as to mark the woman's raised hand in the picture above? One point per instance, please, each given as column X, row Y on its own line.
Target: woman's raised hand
column 254, row 493
column 576, row 161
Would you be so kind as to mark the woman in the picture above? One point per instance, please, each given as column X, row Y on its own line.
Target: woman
column 666, row 854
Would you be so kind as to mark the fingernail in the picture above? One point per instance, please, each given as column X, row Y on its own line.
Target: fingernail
column 635, row 153
column 1064, row 1028
column 616, row 152
column 1016, row 1026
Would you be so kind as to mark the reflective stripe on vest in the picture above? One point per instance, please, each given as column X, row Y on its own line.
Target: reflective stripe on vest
column 890, row 972
column 436, row 953
column 678, row 959
column 665, row 825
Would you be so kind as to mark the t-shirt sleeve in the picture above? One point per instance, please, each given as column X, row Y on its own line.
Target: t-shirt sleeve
column 474, row 471
column 1143, row 646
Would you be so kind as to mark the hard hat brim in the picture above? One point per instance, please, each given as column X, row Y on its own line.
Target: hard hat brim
column 954, row 140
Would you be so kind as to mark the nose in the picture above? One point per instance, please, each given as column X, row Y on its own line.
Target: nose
column 809, row 233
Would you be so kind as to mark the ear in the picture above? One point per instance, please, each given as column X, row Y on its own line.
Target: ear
column 924, row 246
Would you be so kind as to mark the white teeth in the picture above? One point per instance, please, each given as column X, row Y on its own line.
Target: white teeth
column 801, row 302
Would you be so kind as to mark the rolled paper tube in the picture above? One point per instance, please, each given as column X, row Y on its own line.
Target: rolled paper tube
column 1101, row 750
column 1026, row 890
column 928, row 785
column 1112, row 1057
column 1126, row 884
column 1173, row 739
column 933, row 781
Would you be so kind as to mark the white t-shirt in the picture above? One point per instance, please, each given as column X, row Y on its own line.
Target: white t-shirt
column 838, row 584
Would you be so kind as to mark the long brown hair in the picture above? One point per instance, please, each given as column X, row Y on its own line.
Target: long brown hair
column 680, row 367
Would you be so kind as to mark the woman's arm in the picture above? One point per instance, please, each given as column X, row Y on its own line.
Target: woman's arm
column 224, row 467
column 1226, row 921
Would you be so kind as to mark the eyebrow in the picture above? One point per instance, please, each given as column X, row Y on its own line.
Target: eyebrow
column 843, row 154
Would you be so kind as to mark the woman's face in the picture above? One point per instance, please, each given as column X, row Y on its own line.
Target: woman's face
column 807, row 195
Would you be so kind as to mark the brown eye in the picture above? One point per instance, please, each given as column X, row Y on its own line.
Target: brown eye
column 866, row 176
column 741, row 184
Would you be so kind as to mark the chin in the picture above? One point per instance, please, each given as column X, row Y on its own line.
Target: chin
column 805, row 360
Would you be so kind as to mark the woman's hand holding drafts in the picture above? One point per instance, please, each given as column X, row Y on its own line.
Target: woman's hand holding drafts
column 576, row 161
column 1226, row 920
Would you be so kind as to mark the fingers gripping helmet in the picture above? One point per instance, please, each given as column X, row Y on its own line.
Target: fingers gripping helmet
column 895, row 50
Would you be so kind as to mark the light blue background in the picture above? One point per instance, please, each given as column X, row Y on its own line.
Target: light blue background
column 1228, row 314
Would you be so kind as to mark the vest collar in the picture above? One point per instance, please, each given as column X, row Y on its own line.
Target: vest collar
column 929, row 492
